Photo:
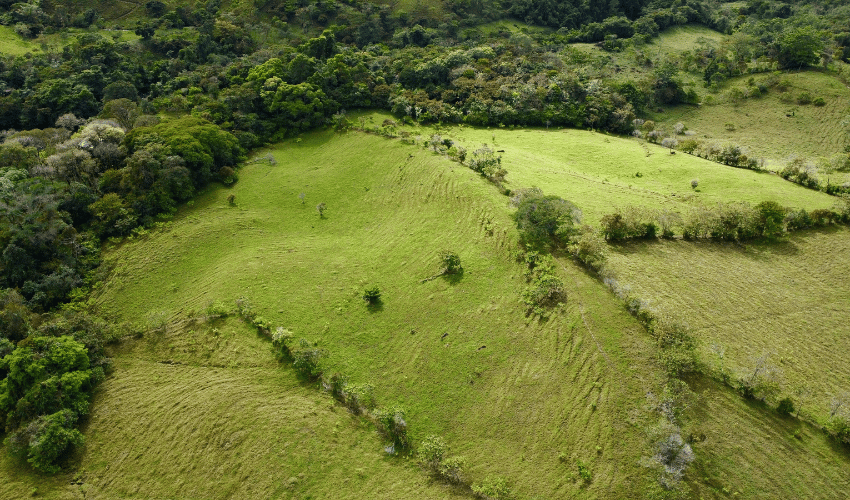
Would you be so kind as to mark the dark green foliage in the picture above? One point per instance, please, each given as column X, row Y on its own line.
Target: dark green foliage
column 450, row 262
column 372, row 294
column 47, row 385
column 628, row 224
column 799, row 47
column 678, row 347
column 785, row 406
column 306, row 359
column 545, row 288
column 545, row 220
column 46, row 439
column 203, row 146
column 771, row 217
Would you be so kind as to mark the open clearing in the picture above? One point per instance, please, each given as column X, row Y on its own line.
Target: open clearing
column 775, row 126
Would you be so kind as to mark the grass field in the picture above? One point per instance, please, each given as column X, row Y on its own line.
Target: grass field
column 600, row 172
column 205, row 412
column 520, row 398
column 508, row 392
column 11, row 44
column 786, row 300
column 763, row 126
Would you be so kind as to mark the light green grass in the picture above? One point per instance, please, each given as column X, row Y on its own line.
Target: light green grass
column 203, row 411
column 535, row 391
column 11, row 44
column 582, row 384
column 761, row 124
column 678, row 39
column 747, row 449
column 598, row 172
column 786, row 300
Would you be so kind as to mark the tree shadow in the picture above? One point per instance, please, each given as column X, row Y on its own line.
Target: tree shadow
column 375, row 307
column 453, row 278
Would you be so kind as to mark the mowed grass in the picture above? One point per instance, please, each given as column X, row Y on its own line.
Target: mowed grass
column 600, row 173
column 745, row 450
column 511, row 393
column 203, row 411
column 786, row 300
column 763, row 124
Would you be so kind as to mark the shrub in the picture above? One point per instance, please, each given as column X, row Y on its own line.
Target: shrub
column 771, row 217
column 493, row 488
column 584, row 471
column 839, row 428
column 372, row 295
column 785, row 406
column 391, row 423
column 589, row 248
column 822, row 217
column 306, row 360
column 798, row 219
column 46, row 439
column 281, row 342
column 678, row 347
column 545, row 290
column 359, row 397
column 450, row 262
column 674, row 455
column 627, row 224
column 431, row 452
column 819, row 101
column 694, row 183
column 545, row 220
column 804, row 98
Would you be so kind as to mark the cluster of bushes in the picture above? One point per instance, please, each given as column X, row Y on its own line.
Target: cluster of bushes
column 722, row 222
column 805, row 173
column 432, row 454
column 545, row 289
column 47, row 376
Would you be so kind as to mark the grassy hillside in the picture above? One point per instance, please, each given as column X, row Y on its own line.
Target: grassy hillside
column 521, row 398
column 783, row 300
column 763, row 124
column 508, row 392
column 12, row 44
column 204, row 411
column 599, row 172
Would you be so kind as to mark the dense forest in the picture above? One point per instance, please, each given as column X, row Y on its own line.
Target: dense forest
column 104, row 136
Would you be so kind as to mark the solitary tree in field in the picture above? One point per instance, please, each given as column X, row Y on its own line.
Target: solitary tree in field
column 321, row 209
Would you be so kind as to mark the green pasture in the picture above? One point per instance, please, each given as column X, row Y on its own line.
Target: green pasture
column 519, row 396
column 600, row 173
column 774, row 126
column 509, row 392
column 204, row 411
column 785, row 301
column 11, row 44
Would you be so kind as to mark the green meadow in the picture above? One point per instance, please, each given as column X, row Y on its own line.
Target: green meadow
column 12, row 44
column 781, row 301
column 775, row 126
column 520, row 397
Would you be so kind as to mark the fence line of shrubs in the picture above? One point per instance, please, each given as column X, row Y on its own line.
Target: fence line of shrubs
column 306, row 358
column 735, row 221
